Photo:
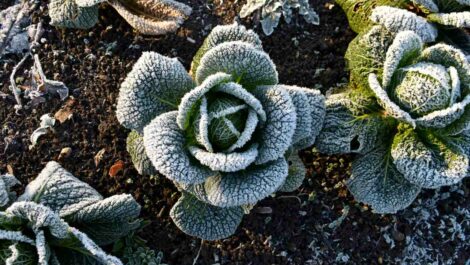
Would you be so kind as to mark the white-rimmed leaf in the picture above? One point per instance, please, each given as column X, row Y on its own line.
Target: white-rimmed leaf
column 396, row 20
column 61, row 191
column 230, row 162
column 343, row 132
column 136, row 149
column 205, row 221
column 296, row 174
column 406, row 46
column 247, row 65
column 246, row 187
column 165, row 145
column 427, row 161
column 392, row 109
column 226, row 33
column 153, row 17
column 109, row 219
column 375, row 181
column 67, row 14
column 447, row 56
column 275, row 136
column 155, row 85
column 454, row 19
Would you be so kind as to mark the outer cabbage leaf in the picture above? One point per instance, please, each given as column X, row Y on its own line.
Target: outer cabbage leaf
column 296, row 174
column 246, row 187
column 248, row 65
column 203, row 220
column 67, row 14
column 310, row 109
column 222, row 34
column 275, row 138
column 396, row 20
column 454, row 19
column 152, row 17
column 375, row 181
column 7, row 182
column 366, row 54
column 136, row 149
column 108, row 220
column 359, row 11
column 59, row 190
column 155, row 85
column 428, row 161
column 345, row 132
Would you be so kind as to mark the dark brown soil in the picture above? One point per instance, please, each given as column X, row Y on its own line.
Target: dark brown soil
column 93, row 64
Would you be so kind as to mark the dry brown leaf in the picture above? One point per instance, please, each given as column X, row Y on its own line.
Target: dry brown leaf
column 116, row 168
column 99, row 156
column 66, row 112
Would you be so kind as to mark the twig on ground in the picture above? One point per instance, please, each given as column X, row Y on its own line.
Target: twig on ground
column 13, row 86
column 198, row 252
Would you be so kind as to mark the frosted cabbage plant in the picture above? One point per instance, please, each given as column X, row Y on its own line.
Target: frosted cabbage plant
column 225, row 133
column 151, row 17
column 61, row 220
column 272, row 10
column 405, row 113
column 432, row 20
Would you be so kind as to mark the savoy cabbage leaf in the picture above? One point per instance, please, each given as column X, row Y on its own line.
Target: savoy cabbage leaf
column 151, row 17
column 433, row 20
column 273, row 10
column 412, row 132
column 227, row 140
column 61, row 220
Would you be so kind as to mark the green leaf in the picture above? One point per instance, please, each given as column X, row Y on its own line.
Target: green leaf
column 136, row 149
column 107, row 220
column 248, row 65
column 222, row 34
column 276, row 135
column 310, row 111
column 447, row 56
column 17, row 253
column 165, row 144
column 405, row 47
column 203, row 220
column 347, row 131
column 375, row 181
column 61, row 191
column 397, row 20
column 226, row 162
column 296, row 174
column 155, row 85
column 454, row 19
column 426, row 160
column 359, row 11
column 367, row 53
column 248, row 186
column 67, row 14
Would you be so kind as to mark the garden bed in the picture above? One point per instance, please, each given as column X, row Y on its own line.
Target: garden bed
column 291, row 228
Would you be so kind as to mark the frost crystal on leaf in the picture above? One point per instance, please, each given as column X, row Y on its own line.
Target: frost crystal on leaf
column 52, row 209
column 409, row 121
column 226, row 143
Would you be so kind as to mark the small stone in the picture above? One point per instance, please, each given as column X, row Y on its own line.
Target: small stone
column 65, row 152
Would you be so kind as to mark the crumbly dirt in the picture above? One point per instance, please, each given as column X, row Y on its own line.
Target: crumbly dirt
column 93, row 64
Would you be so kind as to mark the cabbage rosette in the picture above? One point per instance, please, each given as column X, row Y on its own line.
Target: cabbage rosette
column 224, row 134
column 406, row 113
